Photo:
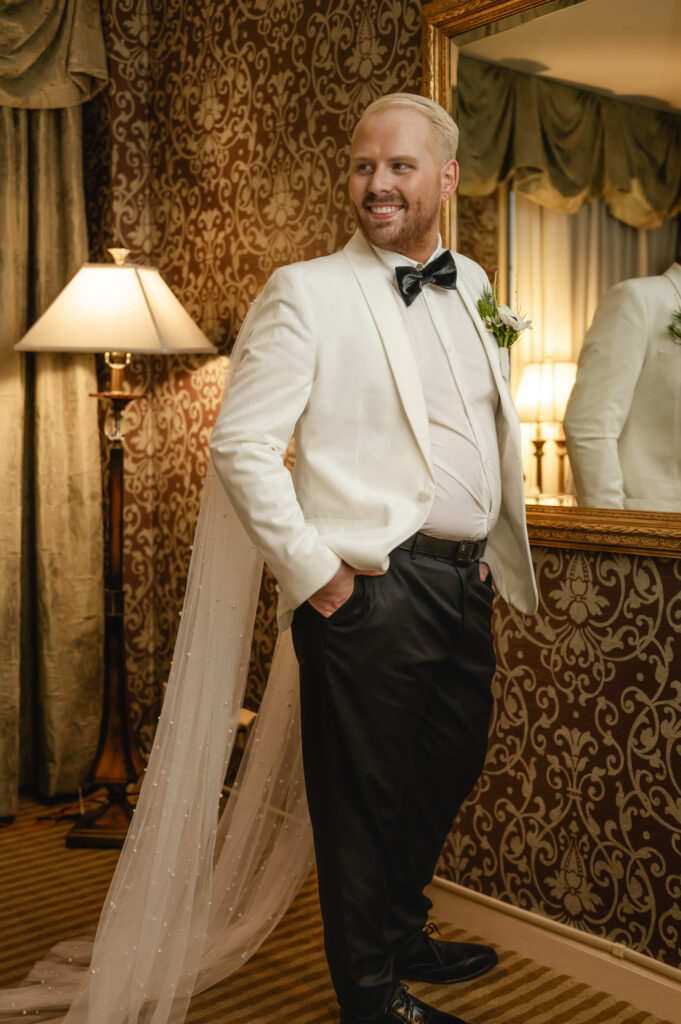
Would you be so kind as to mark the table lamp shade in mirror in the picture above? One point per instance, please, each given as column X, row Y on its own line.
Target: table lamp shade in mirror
column 544, row 390
column 542, row 397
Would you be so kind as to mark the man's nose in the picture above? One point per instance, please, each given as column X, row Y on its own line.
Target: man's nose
column 380, row 180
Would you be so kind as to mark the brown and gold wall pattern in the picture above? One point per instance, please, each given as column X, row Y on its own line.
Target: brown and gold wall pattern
column 578, row 814
column 218, row 154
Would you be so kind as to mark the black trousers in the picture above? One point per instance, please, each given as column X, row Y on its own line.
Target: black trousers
column 396, row 703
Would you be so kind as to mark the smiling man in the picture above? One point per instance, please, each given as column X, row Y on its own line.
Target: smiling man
column 407, row 489
column 400, row 175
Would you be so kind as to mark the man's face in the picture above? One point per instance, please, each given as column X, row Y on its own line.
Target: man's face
column 398, row 183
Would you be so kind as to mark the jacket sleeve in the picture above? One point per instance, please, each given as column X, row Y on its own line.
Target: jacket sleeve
column 610, row 364
column 269, row 391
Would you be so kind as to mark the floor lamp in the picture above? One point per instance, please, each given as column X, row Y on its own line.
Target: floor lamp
column 542, row 396
column 116, row 308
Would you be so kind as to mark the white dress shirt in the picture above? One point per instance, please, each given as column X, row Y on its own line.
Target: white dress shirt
column 461, row 399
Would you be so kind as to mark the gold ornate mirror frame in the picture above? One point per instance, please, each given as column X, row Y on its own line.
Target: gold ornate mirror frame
column 643, row 533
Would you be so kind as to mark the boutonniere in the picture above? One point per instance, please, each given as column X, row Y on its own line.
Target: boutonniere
column 505, row 325
column 674, row 328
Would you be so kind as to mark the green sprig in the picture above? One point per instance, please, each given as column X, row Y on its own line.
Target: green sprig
column 674, row 327
column 487, row 305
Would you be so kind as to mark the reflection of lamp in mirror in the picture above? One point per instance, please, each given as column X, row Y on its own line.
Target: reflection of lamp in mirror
column 542, row 396
column 117, row 309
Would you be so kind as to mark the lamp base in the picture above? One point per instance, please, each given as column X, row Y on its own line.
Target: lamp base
column 538, row 445
column 103, row 828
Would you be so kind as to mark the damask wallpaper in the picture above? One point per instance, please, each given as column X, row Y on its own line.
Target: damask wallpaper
column 478, row 230
column 219, row 153
column 578, row 813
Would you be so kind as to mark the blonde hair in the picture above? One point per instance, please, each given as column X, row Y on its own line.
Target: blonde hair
column 443, row 128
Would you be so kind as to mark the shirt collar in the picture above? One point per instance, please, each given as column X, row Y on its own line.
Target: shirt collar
column 397, row 259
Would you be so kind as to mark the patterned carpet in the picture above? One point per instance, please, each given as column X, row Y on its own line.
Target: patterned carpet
column 49, row 892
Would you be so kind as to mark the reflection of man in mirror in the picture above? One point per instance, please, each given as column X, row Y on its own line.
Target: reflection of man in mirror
column 623, row 420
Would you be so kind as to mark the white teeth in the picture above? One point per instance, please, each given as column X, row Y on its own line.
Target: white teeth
column 384, row 209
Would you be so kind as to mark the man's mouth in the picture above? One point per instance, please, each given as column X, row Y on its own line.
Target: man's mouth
column 383, row 211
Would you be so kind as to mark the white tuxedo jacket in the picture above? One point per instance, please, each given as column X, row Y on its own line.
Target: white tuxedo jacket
column 324, row 355
column 623, row 420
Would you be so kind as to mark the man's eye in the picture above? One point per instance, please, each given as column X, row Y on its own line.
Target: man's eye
column 399, row 166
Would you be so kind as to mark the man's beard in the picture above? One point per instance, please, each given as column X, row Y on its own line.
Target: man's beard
column 415, row 223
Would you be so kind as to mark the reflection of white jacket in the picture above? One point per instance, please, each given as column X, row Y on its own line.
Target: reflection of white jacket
column 623, row 420
column 325, row 353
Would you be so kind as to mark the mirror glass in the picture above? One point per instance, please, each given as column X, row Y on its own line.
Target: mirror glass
column 570, row 118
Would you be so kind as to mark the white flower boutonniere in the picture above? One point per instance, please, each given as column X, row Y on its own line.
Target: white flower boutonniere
column 505, row 325
column 514, row 321
column 674, row 327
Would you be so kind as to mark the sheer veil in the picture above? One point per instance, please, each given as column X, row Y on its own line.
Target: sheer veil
column 194, row 894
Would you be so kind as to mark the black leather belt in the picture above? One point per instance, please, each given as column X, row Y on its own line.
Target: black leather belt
column 459, row 552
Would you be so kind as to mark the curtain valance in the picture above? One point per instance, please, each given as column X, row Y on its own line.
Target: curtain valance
column 52, row 53
column 563, row 146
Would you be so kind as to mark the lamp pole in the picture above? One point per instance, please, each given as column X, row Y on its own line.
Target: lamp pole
column 117, row 762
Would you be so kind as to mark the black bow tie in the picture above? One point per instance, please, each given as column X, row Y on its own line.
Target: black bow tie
column 441, row 272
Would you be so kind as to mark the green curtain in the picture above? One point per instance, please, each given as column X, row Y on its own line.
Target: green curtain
column 51, row 600
column 563, row 146
column 51, row 53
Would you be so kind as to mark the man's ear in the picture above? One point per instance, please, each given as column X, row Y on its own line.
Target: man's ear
column 450, row 178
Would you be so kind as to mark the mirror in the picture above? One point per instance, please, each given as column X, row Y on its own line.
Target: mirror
column 537, row 42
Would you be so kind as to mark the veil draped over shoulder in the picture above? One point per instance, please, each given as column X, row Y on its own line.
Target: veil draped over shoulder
column 194, row 893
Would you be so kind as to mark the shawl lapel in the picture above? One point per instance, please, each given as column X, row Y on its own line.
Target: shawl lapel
column 673, row 274
column 465, row 286
column 370, row 275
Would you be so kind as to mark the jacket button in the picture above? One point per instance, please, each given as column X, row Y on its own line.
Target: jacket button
column 423, row 496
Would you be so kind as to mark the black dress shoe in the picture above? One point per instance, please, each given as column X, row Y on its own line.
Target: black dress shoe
column 443, row 963
column 407, row 1009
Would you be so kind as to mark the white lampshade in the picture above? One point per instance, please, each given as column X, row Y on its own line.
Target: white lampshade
column 544, row 390
column 116, row 308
